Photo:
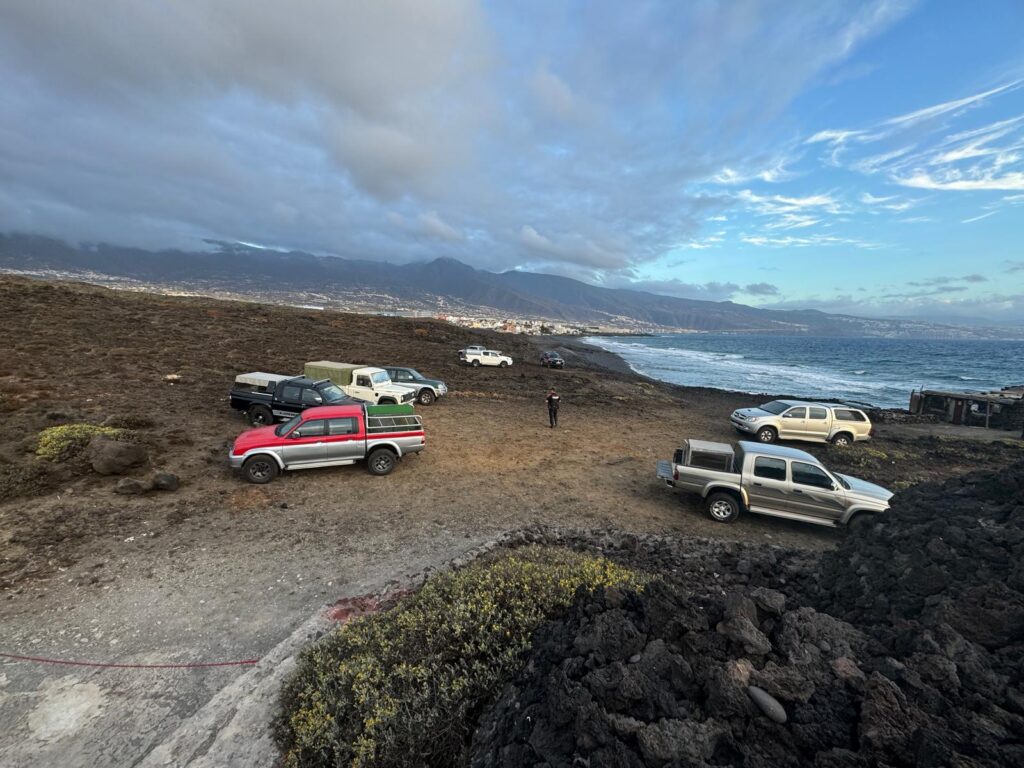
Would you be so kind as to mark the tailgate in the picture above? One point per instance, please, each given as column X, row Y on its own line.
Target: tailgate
column 665, row 470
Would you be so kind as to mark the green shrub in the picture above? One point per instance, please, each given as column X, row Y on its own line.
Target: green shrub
column 406, row 686
column 68, row 440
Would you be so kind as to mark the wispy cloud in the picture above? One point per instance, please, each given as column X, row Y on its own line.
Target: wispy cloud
column 981, row 158
column 937, row 110
column 791, row 241
column 979, row 218
column 977, row 179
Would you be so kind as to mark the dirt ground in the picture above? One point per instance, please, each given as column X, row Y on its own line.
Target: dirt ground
column 222, row 569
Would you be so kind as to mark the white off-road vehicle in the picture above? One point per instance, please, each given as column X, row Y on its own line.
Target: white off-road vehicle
column 477, row 356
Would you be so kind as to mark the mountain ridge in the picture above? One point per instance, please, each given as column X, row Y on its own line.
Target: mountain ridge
column 429, row 285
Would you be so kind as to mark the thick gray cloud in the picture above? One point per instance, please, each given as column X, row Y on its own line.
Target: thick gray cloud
column 523, row 134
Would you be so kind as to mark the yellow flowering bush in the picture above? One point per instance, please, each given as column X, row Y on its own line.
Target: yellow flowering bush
column 68, row 440
column 405, row 687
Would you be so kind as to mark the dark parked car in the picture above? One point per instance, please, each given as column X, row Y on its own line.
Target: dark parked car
column 427, row 390
column 552, row 360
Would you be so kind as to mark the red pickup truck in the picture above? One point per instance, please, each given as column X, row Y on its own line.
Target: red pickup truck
column 330, row 436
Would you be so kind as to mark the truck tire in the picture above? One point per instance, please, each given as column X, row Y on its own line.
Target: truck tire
column 503, row 364
column 476, row 363
column 260, row 469
column 860, row 524
column 767, row 435
column 426, row 396
column 842, row 439
column 260, row 415
column 381, row 461
column 722, row 507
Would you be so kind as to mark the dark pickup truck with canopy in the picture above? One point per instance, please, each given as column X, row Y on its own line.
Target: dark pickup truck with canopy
column 269, row 397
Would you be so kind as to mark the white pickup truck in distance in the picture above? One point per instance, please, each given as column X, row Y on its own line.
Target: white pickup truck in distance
column 801, row 420
column 771, row 480
column 477, row 357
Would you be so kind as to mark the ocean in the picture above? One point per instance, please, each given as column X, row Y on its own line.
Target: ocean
column 881, row 372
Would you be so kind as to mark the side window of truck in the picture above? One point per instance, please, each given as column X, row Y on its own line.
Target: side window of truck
column 845, row 415
column 315, row 428
column 346, row 426
column 817, row 413
column 770, row 469
column 291, row 394
column 363, row 381
column 719, row 462
column 808, row 474
column 311, row 397
column 795, row 413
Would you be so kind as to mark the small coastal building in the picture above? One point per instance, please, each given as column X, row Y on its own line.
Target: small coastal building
column 999, row 409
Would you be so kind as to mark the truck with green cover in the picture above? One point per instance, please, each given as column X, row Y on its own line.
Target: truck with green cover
column 360, row 381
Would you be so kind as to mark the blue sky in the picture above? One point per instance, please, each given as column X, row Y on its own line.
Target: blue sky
column 864, row 157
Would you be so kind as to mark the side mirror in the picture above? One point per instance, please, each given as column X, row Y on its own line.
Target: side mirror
column 295, row 434
column 834, row 487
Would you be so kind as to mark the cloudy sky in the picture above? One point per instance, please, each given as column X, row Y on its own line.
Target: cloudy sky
column 863, row 156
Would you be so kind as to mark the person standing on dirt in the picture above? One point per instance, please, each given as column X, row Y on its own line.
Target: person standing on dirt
column 553, row 400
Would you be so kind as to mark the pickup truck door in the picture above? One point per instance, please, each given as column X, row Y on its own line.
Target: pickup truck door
column 346, row 440
column 362, row 387
column 768, row 487
column 306, row 443
column 793, row 423
column 288, row 401
column 818, row 424
column 814, row 492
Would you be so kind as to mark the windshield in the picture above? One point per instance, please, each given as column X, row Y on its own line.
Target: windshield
column 841, row 479
column 332, row 393
column 288, row 426
column 554, row 356
column 381, row 377
column 775, row 406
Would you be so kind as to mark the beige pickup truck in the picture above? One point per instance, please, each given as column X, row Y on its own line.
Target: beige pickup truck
column 802, row 420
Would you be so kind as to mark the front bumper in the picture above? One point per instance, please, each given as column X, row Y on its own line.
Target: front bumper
column 235, row 461
column 744, row 426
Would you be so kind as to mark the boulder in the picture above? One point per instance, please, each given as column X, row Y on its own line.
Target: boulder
column 687, row 741
column 768, row 704
column 744, row 632
column 114, row 457
column 164, row 481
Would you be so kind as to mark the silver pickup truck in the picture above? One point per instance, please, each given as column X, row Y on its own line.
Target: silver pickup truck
column 771, row 480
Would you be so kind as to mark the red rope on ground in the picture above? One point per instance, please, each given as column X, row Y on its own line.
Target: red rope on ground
column 107, row 665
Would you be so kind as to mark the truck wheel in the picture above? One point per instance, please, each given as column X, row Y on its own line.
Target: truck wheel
column 767, row 435
column 843, row 439
column 503, row 364
column 476, row 363
column 260, row 469
column 860, row 524
column 426, row 396
column 260, row 415
column 381, row 462
column 722, row 507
